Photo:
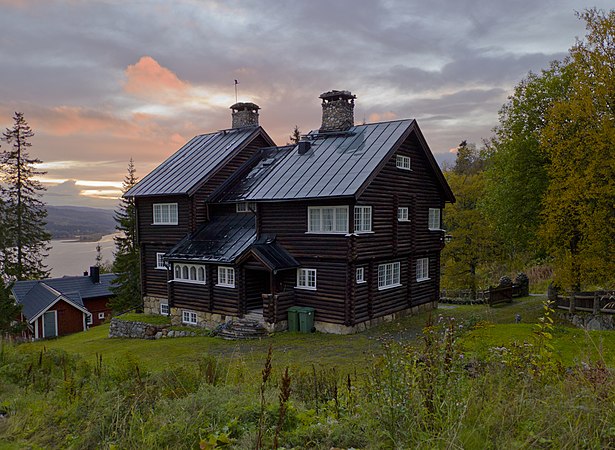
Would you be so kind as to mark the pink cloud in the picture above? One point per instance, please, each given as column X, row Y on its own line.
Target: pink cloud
column 382, row 117
column 148, row 78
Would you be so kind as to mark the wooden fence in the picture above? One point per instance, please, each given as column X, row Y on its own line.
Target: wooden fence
column 593, row 302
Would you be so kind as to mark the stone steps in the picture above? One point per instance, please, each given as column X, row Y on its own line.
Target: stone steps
column 242, row 329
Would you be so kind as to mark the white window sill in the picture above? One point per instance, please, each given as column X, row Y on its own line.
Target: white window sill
column 407, row 169
column 418, row 280
column 358, row 233
column 436, row 229
column 189, row 323
column 392, row 286
column 305, row 288
column 341, row 233
column 225, row 285
column 403, row 220
column 361, row 282
column 170, row 223
column 160, row 268
column 189, row 281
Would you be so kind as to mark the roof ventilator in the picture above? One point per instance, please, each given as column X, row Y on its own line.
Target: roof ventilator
column 304, row 147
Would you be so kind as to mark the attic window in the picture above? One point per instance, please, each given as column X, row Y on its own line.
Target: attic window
column 165, row 213
column 402, row 162
column 245, row 207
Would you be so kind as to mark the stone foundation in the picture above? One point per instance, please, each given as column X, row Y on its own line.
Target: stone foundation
column 141, row 330
column 204, row 319
column 151, row 305
column 334, row 328
column 589, row 321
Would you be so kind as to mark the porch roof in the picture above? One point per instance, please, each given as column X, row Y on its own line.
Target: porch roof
column 272, row 255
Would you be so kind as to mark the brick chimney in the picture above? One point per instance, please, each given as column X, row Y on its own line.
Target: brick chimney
column 244, row 115
column 337, row 110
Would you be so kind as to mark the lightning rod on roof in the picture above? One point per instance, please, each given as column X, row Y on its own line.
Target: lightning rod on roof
column 236, row 83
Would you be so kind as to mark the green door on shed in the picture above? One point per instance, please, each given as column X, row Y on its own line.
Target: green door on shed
column 49, row 324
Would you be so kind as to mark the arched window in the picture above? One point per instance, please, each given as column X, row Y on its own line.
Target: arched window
column 193, row 273
column 201, row 274
column 185, row 272
column 178, row 272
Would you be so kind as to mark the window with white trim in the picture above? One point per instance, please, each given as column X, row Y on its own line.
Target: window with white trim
column 101, row 316
column 160, row 261
column 165, row 213
column 362, row 219
column 360, row 275
column 434, row 218
column 245, row 207
column 226, row 276
column 422, row 269
column 88, row 319
column 328, row 219
column 306, row 279
column 388, row 275
column 189, row 318
column 403, row 214
column 189, row 273
column 402, row 162
column 164, row 309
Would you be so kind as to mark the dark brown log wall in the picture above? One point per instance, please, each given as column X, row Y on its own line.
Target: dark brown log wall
column 154, row 280
column 162, row 234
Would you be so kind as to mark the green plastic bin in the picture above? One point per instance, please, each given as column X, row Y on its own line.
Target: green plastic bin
column 293, row 318
column 306, row 320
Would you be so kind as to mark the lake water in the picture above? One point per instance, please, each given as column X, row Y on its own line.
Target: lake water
column 68, row 257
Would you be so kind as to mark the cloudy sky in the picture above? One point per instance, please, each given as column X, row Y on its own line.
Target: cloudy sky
column 103, row 81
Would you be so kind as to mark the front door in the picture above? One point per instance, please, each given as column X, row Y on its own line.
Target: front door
column 49, row 324
column 258, row 282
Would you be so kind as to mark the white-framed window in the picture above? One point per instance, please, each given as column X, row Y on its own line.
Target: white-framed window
column 189, row 273
column 88, row 319
column 402, row 162
column 327, row 219
column 165, row 213
column 422, row 269
column 403, row 214
column 360, row 275
column 226, row 276
column 434, row 218
column 164, row 309
column 362, row 219
column 388, row 275
column 101, row 316
column 160, row 261
column 306, row 279
column 189, row 317
column 245, row 207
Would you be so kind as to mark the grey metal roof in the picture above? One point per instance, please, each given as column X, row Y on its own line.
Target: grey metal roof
column 222, row 239
column 185, row 170
column 273, row 255
column 336, row 165
column 37, row 295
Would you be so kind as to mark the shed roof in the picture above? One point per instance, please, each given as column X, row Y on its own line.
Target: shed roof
column 200, row 158
column 338, row 164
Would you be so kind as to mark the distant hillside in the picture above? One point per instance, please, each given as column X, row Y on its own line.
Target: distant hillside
column 79, row 222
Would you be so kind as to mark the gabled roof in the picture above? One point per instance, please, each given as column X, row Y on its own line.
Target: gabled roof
column 338, row 164
column 222, row 239
column 272, row 255
column 189, row 167
column 36, row 296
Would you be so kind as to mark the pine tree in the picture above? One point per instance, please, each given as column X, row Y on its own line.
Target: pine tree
column 26, row 241
column 9, row 312
column 295, row 137
column 127, row 255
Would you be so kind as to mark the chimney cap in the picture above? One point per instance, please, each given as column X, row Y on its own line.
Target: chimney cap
column 241, row 106
column 337, row 95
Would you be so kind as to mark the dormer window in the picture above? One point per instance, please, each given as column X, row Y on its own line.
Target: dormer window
column 402, row 162
column 165, row 213
column 245, row 207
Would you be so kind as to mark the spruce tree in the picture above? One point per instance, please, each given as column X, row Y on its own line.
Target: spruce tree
column 127, row 255
column 295, row 137
column 26, row 241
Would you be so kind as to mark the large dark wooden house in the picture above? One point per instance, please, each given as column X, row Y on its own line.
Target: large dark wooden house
column 347, row 222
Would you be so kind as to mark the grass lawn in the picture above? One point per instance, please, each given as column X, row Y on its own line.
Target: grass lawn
column 347, row 353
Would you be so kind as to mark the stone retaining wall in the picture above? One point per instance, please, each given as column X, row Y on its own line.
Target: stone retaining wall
column 589, row 321
column 141, row 330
